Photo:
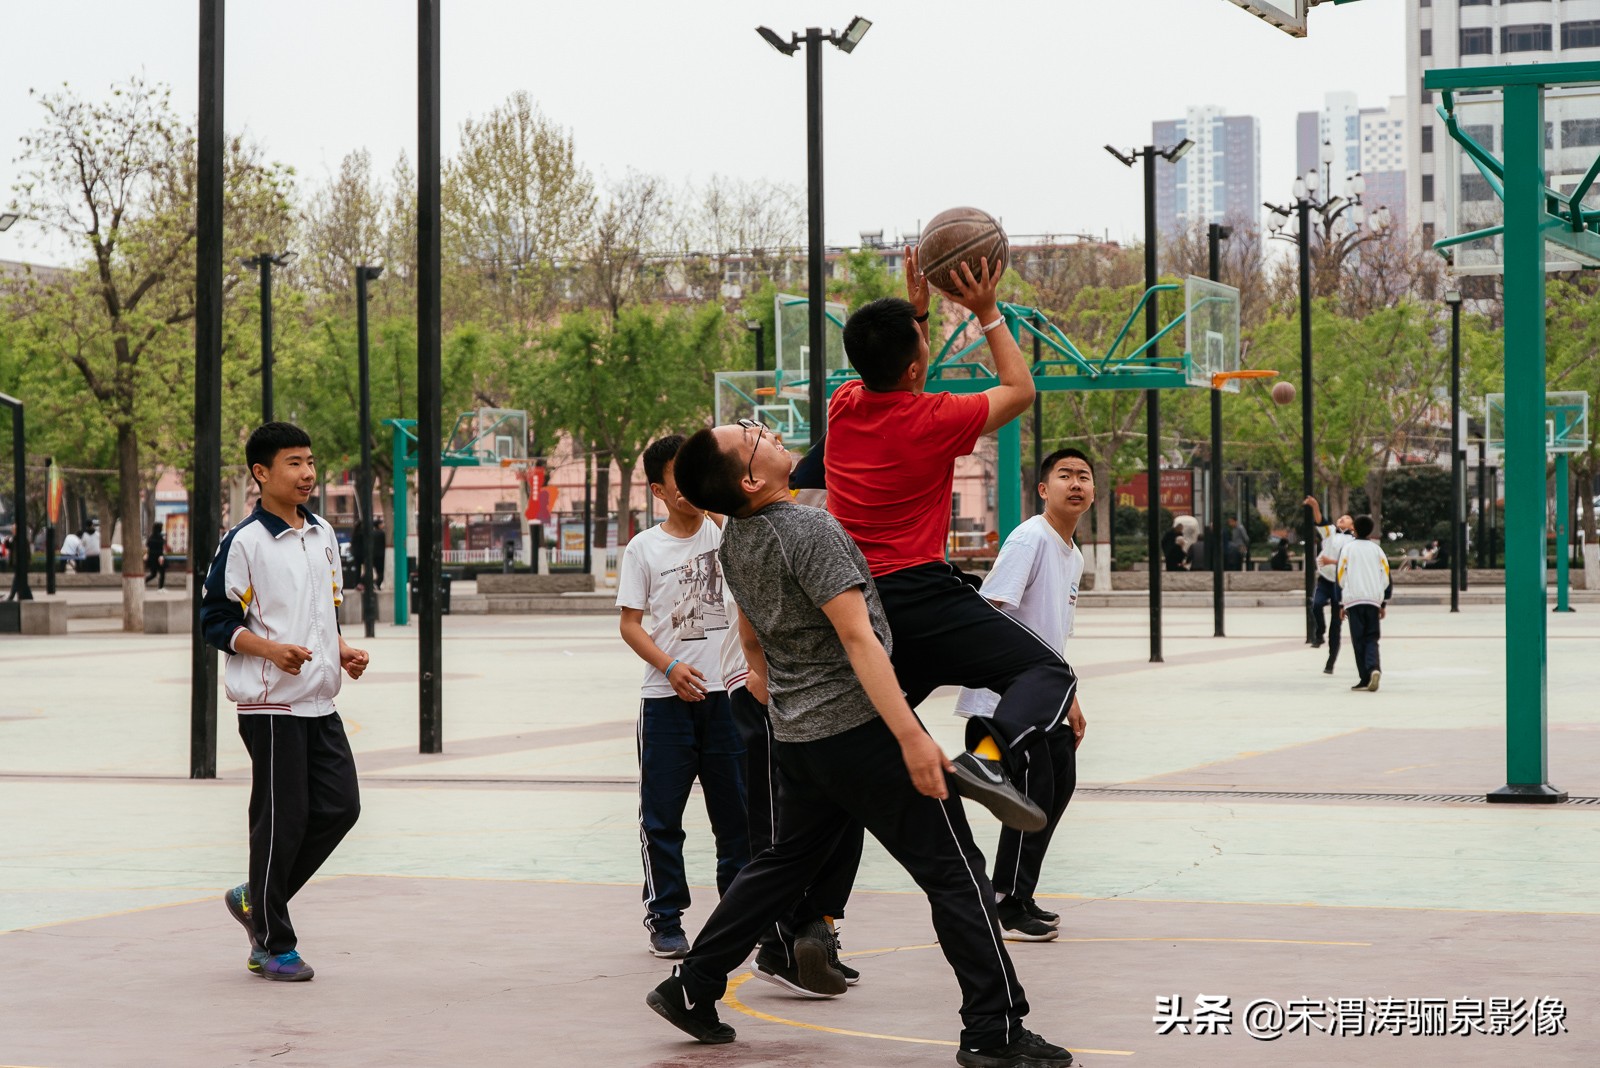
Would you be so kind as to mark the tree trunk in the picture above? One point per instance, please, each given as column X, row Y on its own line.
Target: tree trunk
column 1375, row 499
column 602, row 502
column 132, row 531
column 105, row 507
column 1101, row 546
column 624, row 509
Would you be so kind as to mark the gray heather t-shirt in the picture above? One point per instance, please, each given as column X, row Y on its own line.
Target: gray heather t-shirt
column 782, row 564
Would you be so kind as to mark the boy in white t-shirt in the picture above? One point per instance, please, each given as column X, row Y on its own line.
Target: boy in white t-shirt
column 1035, row 582
column 686, row 726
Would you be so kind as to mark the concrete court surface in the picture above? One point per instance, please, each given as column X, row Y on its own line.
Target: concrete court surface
column 485, row 911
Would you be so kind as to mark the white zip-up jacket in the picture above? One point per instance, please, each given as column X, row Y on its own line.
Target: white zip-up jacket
column 1363, row 574
column 285, row 585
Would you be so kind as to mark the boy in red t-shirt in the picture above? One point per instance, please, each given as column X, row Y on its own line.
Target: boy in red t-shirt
column 890, row 459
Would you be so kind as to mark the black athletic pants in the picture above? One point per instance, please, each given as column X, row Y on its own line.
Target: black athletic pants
column 1364, row 634
column 303, row 800
column 1019, row 858
column 681, row 741
column 830, row 891
column 1327, row 596
column 946, row 634
column 860, row 775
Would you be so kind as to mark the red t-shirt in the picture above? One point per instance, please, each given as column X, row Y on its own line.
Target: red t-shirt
column 890, row 461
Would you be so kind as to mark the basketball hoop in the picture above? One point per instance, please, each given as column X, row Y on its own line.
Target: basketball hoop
column 1219, row 379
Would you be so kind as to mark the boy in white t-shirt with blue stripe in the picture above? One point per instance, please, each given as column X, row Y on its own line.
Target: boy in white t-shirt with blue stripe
column 1035, row 582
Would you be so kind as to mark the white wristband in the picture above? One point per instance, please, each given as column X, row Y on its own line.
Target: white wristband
column 990, row 326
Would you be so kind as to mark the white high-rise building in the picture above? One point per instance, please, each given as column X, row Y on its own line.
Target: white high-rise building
column 1371, row 141
column 1219, row 179
column 1472, row 33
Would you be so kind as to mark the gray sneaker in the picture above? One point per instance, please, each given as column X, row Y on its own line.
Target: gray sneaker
column 985, row 782
column 669, row 945
column 1372, row 684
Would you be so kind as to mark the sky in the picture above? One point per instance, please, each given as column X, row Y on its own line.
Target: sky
column 1004, row 105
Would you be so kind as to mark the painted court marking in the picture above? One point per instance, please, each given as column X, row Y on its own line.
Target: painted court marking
column 731, row 997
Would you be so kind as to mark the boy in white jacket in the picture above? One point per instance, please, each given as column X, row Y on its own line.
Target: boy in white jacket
column 269, row 603
column 1364, row 591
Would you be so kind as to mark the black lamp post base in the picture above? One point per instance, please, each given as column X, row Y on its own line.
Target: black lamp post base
column 1523, row 793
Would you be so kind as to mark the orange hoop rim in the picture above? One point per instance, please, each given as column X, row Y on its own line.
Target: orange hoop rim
column 1220, row 377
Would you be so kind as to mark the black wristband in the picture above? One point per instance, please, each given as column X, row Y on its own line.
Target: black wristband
column 920, row 318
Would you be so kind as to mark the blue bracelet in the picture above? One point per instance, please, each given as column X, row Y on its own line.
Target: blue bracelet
column 668, row 672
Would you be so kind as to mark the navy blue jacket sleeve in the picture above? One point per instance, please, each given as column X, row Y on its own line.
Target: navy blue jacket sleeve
column 221, row 608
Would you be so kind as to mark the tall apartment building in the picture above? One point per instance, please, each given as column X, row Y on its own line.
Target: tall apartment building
column 1470, row 33
column 1369, row 140
column 1218, row 179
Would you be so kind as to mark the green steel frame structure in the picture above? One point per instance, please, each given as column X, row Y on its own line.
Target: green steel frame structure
column 1534, row 215
column 955, row 370
column 406, row 458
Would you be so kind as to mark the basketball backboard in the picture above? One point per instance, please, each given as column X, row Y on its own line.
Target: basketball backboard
column 1470, row 199
column 1210, row 332
column 793, row 346
column 1288, row 15
column 1566, row 421
column 767, row 396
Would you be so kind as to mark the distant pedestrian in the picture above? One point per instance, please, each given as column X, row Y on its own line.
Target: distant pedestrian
column 1365, row 589
column 71, row 551
column 1238, row 546
column 379, row 541
column 155, row 558
column 1335, row 537
column 91, row 550
column 1172, row 547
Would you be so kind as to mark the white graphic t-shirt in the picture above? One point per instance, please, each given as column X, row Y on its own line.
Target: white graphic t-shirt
column 1035, row 581
column 677, row 583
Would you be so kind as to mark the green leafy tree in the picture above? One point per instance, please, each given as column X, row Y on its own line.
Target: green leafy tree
column 617, row 386
column 116, row 179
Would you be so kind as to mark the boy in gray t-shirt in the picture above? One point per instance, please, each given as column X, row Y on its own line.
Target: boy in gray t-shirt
column 847, row 746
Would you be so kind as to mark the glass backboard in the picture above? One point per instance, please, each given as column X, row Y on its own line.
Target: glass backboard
column 1566, row 421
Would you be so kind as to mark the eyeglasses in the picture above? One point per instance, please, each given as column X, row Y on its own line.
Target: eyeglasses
column 760, row 428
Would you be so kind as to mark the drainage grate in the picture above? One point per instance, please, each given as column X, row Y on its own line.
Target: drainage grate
column 1303, row 795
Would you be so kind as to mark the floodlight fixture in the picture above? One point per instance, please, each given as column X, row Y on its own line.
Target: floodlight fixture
column 1452, row 296
column 7, row 219
column 370, row 272
column 1178, row 151
column 852, row 35
column 1224, row 232
column 1125, row 160
column 788, row 48
column 1333, row 206
column 752, row 324
column 1276, row 209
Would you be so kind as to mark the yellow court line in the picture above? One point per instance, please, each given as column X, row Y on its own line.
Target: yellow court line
column 733, row 1002
column 104, row 916
column 1130, row 938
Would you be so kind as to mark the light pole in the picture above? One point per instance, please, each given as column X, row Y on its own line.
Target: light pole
column 816, row 294
column 264, row 262
column 1458, row 486
column 1306, row 189
column 21, row 544
column 1216, row 234
column 755, row 327
column 369, row 594
column 1152, row 397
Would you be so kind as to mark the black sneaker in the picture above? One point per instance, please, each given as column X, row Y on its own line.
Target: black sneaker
column 1027, row 1050
column 982, row 780
column 671, row 1002
column 1316, row 643
column 805, row 975
column 669, row 945
column 1327, row 669
column 851, row 976
column 1362, row 686
column 1042, row 915
column 1017, row 924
